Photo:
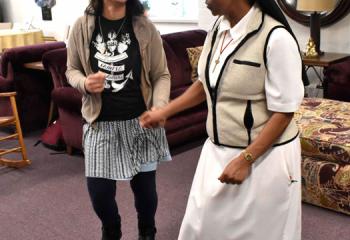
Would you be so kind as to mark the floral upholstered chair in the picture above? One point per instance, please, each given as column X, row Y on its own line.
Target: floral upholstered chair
column 325, row 139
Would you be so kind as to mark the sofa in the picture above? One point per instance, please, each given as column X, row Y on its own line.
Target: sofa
column 325, row 140
column 33, row 86
column 181, row 128
column 337, row 81
column 190, row 124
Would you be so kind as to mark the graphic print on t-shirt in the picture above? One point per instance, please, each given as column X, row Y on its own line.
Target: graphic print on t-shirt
column 108, row 55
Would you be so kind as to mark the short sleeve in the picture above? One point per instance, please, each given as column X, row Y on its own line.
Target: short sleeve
column 283, row 82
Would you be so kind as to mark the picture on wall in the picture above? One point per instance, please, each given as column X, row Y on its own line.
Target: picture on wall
column 171, row 10
column 46, row 6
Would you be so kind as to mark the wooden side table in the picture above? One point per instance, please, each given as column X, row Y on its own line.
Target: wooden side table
column 35, row 65
column 323, row 61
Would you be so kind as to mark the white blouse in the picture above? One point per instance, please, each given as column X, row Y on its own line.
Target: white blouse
column 283, row 81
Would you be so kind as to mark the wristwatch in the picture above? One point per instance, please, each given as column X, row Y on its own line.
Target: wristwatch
column 248, row 156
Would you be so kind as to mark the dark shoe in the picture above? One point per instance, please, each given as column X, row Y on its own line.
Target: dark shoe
column 147, row 233
column 111, row 234
column 147, row 237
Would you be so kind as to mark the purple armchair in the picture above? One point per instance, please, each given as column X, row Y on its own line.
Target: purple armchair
column 190, row 124
column 337, row 81
column 66, row 98
column 184, row 127
column 33, row 87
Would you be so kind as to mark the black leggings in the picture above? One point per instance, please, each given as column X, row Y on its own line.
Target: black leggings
column 103, row 191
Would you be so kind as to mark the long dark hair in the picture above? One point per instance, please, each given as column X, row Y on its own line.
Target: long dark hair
column 271, row 8
column 133, row 8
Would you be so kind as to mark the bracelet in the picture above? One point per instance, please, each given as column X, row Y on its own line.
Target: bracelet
column 248, row 156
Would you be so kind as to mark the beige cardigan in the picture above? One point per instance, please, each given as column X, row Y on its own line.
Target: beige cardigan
column 155, row 77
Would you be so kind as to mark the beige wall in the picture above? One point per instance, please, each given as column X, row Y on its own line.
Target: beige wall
column 64, row 11
column 64, row 14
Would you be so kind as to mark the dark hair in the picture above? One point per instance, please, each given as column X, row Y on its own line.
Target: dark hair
column 271, row 8
column 133, row 7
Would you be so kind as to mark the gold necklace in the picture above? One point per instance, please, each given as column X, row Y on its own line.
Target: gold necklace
column 222, row 48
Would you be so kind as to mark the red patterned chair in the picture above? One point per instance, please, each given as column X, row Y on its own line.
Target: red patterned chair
column 325, row 139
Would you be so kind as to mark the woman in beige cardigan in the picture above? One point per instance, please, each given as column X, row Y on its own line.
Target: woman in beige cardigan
column 116, row 60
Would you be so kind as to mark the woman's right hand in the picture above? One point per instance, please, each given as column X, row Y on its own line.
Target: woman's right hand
column 152, row 118
column 95, row 82
column 194, row 95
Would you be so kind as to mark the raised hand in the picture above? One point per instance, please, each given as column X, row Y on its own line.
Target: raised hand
column 153, row 118
column 94, row 83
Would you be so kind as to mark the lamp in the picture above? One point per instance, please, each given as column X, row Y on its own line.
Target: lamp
column 315, row 7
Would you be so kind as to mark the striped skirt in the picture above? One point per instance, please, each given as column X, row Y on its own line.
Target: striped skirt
column 118, row 150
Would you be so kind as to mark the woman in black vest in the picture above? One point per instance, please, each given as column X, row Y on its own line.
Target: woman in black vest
column 247, row 182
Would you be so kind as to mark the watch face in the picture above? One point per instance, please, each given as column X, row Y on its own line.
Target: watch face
column 248, row 156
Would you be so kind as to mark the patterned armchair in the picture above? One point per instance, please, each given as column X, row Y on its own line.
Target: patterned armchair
column 325, row 139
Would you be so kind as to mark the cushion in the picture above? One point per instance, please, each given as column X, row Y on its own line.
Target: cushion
column 326, row 184
column 325, row 129
column 193, row 56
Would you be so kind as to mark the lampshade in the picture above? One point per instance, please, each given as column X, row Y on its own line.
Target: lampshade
column 315, row 5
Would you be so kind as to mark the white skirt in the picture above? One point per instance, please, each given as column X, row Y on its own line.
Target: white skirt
column 267, row 205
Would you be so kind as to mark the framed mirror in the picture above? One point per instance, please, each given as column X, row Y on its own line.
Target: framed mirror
column 289, row 7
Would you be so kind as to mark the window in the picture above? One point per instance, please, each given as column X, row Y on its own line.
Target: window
column 172, row 10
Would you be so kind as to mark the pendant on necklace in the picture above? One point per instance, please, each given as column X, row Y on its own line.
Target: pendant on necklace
column 217, row 61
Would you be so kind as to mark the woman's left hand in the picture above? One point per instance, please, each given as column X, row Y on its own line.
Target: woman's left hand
column 236, row 171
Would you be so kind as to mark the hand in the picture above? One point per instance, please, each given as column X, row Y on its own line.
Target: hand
column 236, row 171
column 162, row 122
column 95, row 83
column 153, row 118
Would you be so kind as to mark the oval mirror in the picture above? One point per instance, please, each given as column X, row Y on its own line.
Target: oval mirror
column 289, row 7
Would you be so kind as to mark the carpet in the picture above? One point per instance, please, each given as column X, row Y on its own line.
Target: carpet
column 49, row 201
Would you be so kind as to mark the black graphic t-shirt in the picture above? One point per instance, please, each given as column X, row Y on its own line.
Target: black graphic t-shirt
column 114, row 50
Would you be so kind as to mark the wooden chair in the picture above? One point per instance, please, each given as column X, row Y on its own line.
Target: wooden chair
column 14, row 121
